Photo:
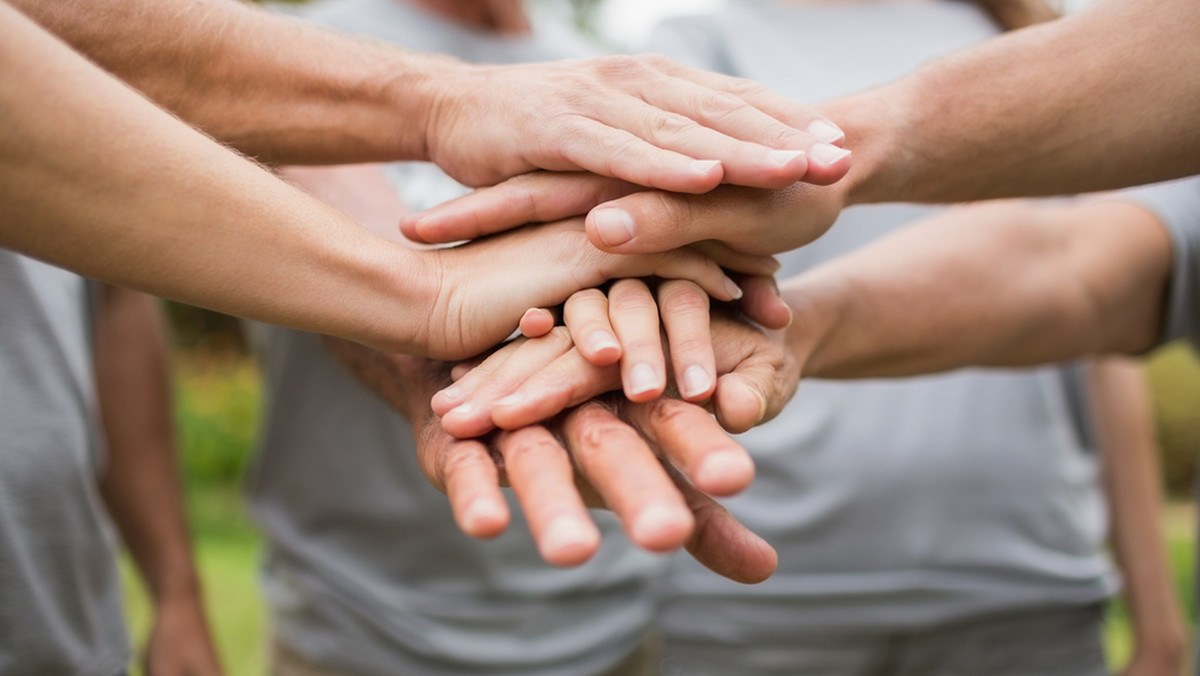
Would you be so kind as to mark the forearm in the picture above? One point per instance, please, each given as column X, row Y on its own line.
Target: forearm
column 1120, row 400
column 141, row 484
column 274, row 88
column 1102, row 99
column 96, row 179
column 995, row 285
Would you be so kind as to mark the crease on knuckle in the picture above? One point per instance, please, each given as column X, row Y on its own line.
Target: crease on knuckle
column 531, row 448
column 665, row 413
column 719, row 106
column 682, row 298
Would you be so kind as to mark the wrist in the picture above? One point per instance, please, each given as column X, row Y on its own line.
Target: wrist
column 814, row 314
column 420, row 87
column 407, row 293
column 877, row 124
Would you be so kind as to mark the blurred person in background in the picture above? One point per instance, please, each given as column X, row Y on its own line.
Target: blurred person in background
column 366, row 570
column 86, row 441
column 951, row 524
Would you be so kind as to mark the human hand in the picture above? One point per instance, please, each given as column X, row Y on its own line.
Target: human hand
column 622, row 325
column 179, row 642
column 482, row 289
column 645, row 119
column 1167, row 662
column 533, row 379
column 624, row 218
column 592, row 458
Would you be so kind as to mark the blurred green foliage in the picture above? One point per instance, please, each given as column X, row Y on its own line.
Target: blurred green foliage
column 1174, row 375
column 217, row 407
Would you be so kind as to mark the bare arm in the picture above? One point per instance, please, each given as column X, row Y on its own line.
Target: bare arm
column 1102, row 99
column 286, row 92
column 999, row 284
column 141, row 486
column 1121, row 404
column 95, row 178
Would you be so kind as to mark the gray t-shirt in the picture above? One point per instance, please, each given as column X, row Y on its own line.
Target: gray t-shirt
column 60, row 599
column 366, row 570
column 893, row 504
column 1177, row 205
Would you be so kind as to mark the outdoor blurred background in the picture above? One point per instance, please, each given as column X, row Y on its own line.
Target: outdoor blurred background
column 217, row 400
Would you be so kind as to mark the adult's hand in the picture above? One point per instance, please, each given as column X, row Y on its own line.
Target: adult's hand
column 481, row 290
column 624, row 218
column 645, row 119
column 637, row 465
column 179, row 642
column 532, row 380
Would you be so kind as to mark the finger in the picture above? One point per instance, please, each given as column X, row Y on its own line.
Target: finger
column 473, row 417
column 739, row 401
column 568, row 381
column 611, row 151
column 469, row 476
column 628, row 476
column 464, row 384
column 586, row 316
column 462, row 368
column 536, row 322
column 634, row 316
column 695, row 443
column 737, row 261
column 708, row 124
column 684, row 310
column 762, row 303
column 537, row 197
column 721, row 542
column 543, row 478
column 824, row 167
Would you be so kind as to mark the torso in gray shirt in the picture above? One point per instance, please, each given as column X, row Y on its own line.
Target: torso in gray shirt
column 892, row 504
column 60, row 601
column 366, row 570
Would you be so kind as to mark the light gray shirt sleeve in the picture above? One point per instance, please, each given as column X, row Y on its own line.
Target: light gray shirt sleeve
column 1177, row 205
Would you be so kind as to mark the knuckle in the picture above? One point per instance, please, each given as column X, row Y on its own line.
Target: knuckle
column 597, row 434
column 740, row 86
column 458, row 461
column 532, row 448
column 682, row 297
column 664, row 412
column 690, row 344
column 620, row 65
column 719, row 105
column 669, row 125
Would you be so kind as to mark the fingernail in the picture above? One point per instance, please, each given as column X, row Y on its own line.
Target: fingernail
column 725, row 471
column 567, row 539
column 513, row 399
column 704, row 167
column 463, row 411
column 782, row 158
column 451, row 393
column 656, row 522
column 614, row 226
column 735, row 291
column 602, row 341
column 642, row 379
column 762, row 406
column 695, row 381
column 823, row 153
column 479, row 516
column 825, row 131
